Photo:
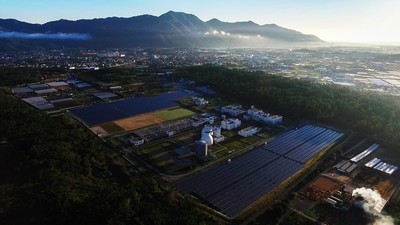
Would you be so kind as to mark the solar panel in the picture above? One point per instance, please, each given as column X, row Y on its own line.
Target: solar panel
column 230, row 188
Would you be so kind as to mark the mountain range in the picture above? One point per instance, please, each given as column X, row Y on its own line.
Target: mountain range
column 172, row 29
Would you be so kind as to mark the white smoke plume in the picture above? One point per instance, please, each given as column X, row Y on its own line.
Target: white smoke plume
column 53, row 36
column 371, row 199
column 217, row 33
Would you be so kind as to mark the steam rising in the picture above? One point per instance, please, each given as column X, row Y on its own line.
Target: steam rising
column 53, row 36
column 371, row 200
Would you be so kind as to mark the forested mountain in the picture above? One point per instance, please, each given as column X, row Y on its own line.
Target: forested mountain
column 172, row 29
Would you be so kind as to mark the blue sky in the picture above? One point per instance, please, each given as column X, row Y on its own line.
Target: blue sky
column 331, row 20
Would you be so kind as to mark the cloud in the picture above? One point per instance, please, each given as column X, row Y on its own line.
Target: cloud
column 224, row 33
column 217, row 33
column 53, row 36
column 243, row 36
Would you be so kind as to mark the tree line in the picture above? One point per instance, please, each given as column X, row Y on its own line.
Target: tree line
column 369, row 113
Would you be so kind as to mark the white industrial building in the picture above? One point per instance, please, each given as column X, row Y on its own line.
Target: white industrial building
column 261, row 116
column 217, row 136
column 203, row 119
column 232, row 110
column 248, row 131
column 136, row 141
column 229, row 124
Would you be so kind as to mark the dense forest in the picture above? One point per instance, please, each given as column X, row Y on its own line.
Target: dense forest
column 54, row 171
column 373, row 115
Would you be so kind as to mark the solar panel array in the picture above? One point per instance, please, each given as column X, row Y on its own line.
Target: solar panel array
column 232, row 187
column 303, row 143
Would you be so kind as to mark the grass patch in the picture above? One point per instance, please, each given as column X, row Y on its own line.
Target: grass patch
column 173, row 113
column 251, row 140
column 235, row 145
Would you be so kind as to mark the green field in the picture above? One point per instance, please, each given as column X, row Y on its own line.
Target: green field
column 173, row 113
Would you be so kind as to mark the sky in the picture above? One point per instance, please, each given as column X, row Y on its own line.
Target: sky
column 366, row 21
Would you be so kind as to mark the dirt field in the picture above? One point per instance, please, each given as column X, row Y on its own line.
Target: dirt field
column 138, row 121
column 385, row 188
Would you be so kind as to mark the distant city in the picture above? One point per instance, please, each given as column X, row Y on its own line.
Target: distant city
column 366, row 69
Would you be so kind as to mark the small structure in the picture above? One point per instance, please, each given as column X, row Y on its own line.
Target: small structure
column 104, row 95
column 345, row 167
column 201, row 149
column 115, row 88
column 200, row 101
column 45, row 91
column 217, row 136
column 248, row 131
column 38, row 86
column 229, row 124
column 198, row 121
column 38, row 102
column 170, row 133
column 57, row 84
column 21, row 90
column 208, row 117
column 233, row 110
column 366, row 152
column 385, row 167
column 136, row 141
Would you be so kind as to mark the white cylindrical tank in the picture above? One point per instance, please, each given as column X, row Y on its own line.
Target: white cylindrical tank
column 201, row 149
column 206, row 135
column 206, row 129
column 207, row 138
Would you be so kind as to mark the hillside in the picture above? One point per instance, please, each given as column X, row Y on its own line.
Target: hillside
column 172, row 29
